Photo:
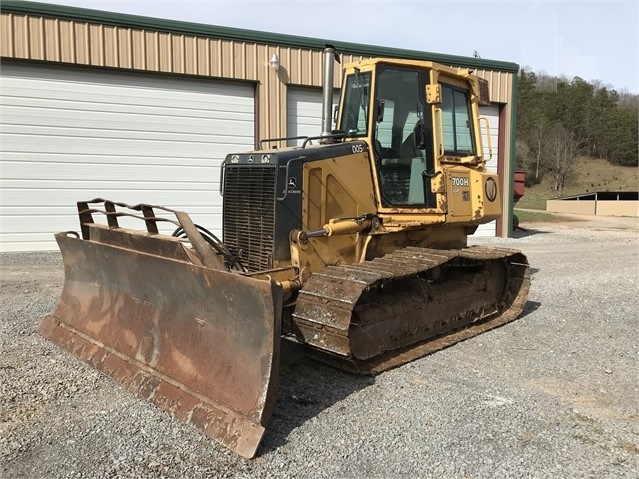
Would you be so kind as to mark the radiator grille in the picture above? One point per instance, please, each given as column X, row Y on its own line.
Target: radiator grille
column 249, row 214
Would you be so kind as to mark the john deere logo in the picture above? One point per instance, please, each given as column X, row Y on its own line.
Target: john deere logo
column 491, row 189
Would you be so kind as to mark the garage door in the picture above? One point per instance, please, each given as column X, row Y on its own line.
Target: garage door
column 492, row 114
column 71, row 134
column 304, row 112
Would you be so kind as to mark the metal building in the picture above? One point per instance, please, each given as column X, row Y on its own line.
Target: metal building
column 137, row 109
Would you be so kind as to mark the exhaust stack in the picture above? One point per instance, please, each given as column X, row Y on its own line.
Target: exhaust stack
column 327, row 99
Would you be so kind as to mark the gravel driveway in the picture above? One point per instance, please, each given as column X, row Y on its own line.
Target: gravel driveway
column 553, row 394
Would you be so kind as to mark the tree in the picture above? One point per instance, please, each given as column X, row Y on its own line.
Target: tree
column 593, row 117
column 532, row 123
column 601, row 103
column 537, row 137
column 528, row 95
column 561, row 149
column 622, row 136
column 627, row 99
column 522, row 154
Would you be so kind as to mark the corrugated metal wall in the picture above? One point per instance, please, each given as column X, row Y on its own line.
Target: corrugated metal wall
column 55, row 40
column 37, row 38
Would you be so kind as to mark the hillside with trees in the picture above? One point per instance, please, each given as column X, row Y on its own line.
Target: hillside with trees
column 560, row 121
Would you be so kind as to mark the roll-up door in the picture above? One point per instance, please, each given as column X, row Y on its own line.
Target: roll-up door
column 304, row 112
column 73, row 134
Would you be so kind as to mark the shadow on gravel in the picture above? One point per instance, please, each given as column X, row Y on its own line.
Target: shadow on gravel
column 306, row 388
column 524, row 232
column 529, row 307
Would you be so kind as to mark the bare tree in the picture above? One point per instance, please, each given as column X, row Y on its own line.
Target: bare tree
column 627, row 99
column 522, row 153
column 561, row 147
column 538, row 134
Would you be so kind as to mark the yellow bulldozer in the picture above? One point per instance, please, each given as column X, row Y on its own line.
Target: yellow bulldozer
column 353, row 243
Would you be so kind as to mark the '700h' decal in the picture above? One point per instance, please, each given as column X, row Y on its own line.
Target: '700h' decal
column 457, row 181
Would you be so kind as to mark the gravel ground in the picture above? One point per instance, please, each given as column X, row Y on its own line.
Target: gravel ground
column 553, row 394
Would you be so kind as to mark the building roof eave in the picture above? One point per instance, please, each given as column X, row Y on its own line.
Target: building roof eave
column 237, row 34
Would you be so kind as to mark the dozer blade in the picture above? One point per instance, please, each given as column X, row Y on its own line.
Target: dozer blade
column 198, row 342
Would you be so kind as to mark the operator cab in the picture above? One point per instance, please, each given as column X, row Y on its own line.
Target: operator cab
column 400, row 128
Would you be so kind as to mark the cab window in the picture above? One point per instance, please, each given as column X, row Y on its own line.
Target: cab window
column 457, row 124
column 403, row 149
column 355, row 109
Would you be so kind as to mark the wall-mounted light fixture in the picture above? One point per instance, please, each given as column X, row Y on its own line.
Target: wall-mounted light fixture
column 275, row 62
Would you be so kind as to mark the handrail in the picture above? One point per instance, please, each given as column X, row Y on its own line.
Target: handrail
column 288, row 163
column 222, row 172
column 332, row 136
column 439, row 117
column 490, row 146
column 283, row 139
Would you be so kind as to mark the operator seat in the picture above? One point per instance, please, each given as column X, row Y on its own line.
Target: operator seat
column 409, row 148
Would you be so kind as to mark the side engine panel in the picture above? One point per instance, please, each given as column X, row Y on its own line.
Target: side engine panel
column 267, row 195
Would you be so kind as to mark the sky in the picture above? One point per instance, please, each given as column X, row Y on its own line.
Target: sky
column 595, row 40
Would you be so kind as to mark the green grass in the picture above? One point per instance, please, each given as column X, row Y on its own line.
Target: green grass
column 527, row 216
column 591, row 175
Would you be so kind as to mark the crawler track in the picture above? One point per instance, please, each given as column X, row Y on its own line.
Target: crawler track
column 376, row 315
